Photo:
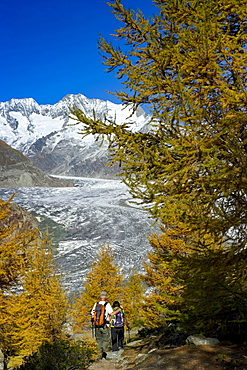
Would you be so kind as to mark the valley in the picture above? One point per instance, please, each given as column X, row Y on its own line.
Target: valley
column 97, row 209
column 93, row 213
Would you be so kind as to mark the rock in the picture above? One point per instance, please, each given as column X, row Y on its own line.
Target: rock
column 197, row 341
column 134, row 343
column 140, row 358
column 152, row 350
column 114, row 355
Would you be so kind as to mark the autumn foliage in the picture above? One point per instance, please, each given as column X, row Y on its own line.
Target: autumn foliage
column 187, row 65
column 33, row 304
column 103, row 275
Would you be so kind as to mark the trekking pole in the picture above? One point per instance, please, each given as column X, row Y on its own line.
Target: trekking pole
column 127, row 340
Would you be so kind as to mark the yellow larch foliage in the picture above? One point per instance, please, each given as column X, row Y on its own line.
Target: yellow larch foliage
column 104, row 275
column 133, row 299
column 163, row 298
column 40, row 309
column 186, row 64
column 32, row 302
column 14, row 244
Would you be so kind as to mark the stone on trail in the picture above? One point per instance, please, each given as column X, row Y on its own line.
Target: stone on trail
column 198, row 341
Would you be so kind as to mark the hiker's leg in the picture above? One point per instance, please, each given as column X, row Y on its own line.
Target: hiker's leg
column 99, row 338
column 120, row 337
column 105, row 338
column 114, row 336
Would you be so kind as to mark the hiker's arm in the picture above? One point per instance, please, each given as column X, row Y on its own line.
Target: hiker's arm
column 115, row 312
column 92, row 318
column 118, row 310
column 92, row 313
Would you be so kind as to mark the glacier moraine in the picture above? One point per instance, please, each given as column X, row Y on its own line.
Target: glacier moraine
column 83, row 218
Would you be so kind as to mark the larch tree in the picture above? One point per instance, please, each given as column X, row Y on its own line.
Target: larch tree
column 164, row 301
column 32, row 301
column 215, row 292
column 133, row 299
column 187, row 65
column 14, row 244
column 39, row 311
column 103, row 275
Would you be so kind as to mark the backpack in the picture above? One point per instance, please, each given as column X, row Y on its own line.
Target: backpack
column 99, row 314
column 118, row 319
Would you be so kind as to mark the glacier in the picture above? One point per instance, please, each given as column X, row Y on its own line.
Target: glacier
column 93, row 213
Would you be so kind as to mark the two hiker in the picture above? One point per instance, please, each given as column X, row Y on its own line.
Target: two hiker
column 105, row 316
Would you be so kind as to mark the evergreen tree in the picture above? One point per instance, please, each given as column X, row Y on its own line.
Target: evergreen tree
column 104, row 275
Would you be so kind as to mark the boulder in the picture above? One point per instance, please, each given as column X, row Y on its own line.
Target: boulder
column 197, row 341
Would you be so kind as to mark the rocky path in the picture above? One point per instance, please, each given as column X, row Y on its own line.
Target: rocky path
column 109, row 364
column 140, row 357
column 150, row 353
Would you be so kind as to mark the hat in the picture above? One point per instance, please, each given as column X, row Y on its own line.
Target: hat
column 103, row 294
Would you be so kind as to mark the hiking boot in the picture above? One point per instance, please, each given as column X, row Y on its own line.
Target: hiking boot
column 104, row 354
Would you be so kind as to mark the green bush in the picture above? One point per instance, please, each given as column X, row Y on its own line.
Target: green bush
column 60, row 355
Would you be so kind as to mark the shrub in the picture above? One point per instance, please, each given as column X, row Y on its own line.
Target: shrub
column 60, row 355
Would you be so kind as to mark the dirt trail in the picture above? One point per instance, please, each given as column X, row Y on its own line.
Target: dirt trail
column 139, row 357
column 144, row 354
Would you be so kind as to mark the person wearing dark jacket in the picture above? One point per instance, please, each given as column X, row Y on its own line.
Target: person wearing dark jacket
column 118, row 320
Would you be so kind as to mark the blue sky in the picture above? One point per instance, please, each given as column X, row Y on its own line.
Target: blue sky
column 49, row 48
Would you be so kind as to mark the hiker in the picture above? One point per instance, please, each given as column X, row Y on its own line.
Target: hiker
column 100, row 318
column 118, row 320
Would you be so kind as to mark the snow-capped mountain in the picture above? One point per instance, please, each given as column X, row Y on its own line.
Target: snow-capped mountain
column 46, row 134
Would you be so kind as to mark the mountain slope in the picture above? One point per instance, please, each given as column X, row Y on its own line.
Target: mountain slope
column 20, row 220
column 46, row 134
column 16, row 170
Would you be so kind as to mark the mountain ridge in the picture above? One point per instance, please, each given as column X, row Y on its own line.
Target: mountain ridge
column 49, row 137
column 16, row 170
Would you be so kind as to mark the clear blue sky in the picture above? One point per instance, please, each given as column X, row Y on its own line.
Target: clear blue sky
column 49, row 48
